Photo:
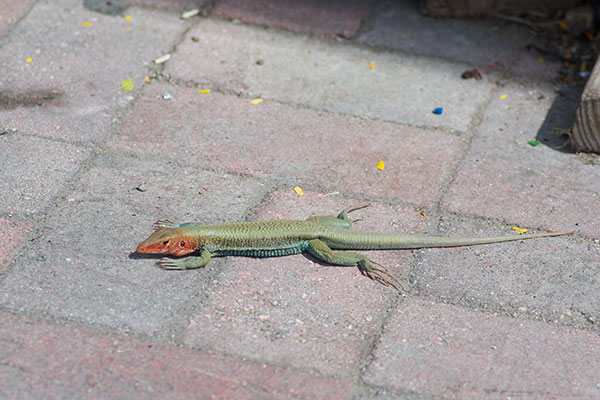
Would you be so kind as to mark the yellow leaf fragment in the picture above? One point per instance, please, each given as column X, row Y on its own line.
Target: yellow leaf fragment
column 372, row 65
column 204, row 91
column 541, row 59
column 503, row 96
column 128, row 18
column 127, row 85
column 86, row 24
column 380, row 165
column 28, row 59
column 563, row 26
column 298, row 191
column 516, row 228
column 256, row 101
column 422, row 213
column 147, row 79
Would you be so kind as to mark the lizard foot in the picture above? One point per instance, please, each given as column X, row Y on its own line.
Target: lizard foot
column 162, row 223
column 167, row 263
column 344, row 214
column 382, row 276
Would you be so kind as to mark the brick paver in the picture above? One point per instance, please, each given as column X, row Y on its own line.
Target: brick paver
column 88, row 167
column 553, row 278
column 451, row 352
column 295, row 310
column 399, row 26
column 41, row 360
column 13, row 232
column 277, row 141
column 327, row 75
column 81, row 269
column 312, row 16
column 29, row 182
column 62, row 77
column 503, row 177
column 12, row 11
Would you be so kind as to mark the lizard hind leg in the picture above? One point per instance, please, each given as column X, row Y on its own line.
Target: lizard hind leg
column 344, row 214
column 341, row 221
column 321, row 251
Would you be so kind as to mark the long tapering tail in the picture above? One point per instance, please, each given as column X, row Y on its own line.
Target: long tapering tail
column 379, row 241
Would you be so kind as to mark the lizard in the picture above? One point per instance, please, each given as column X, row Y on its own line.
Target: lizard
column 317, row 235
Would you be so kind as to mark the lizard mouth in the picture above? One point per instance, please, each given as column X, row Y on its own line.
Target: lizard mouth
column 144, row 248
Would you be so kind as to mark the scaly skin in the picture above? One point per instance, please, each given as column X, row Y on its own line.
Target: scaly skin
column 315, row 235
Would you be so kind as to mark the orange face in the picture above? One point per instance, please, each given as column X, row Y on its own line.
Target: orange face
column 167, row 241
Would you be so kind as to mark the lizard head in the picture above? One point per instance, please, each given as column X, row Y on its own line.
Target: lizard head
column 167, row 241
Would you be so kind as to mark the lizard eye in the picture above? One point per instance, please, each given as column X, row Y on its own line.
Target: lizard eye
column 165, row 243
column 182, row 243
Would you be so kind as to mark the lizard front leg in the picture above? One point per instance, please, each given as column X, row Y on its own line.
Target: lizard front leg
column 186, row 263
column 320, row 250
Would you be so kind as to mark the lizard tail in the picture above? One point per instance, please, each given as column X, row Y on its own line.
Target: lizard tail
column 382, row 241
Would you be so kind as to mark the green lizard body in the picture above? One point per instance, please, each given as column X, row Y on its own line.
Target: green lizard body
column 316, row 235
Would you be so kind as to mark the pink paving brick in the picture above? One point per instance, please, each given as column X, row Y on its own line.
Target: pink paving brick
column 297, row 311
column 447, row 351
column 12, row 233
column 312, row 16
column 338, row 152
column 40, row 360
column 12, row 11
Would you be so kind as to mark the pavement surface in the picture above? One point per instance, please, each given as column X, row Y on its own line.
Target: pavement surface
column 86, row 167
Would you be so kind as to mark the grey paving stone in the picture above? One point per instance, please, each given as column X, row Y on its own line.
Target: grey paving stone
column 81, row 268
column 71, row 89
column 40, row 360
column 450, row 352
column 296, row 311
column 35, row 170
column 327, row 75
column 276, row 141
column 399, row 25
column 505, row 178
column 554, row 279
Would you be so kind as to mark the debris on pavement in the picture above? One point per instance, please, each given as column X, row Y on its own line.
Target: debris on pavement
column 190, row 13
column 471, row 73
column 127, row 85
column 162, row 59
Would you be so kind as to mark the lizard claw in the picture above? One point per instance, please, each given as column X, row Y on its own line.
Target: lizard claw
column 167, row 263
column 382, row 276
column 344, row 214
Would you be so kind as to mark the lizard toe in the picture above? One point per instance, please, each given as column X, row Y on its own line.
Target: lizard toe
column 167, row 263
